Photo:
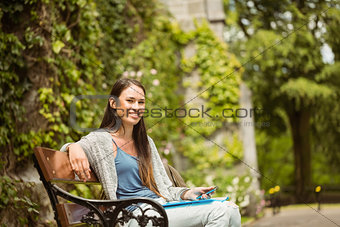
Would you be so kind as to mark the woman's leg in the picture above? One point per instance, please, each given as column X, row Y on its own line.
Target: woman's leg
column 234, row 212
column 213, row 214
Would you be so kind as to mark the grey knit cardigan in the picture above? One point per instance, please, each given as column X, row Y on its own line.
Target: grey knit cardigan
column 98, row 147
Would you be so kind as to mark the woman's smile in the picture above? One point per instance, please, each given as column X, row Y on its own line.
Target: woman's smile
column 134, row 115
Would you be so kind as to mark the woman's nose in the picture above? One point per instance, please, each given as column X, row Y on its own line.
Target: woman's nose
column 135, row 105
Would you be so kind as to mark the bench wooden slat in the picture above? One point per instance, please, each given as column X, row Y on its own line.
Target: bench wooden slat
column 55, row 166
column 70, row 214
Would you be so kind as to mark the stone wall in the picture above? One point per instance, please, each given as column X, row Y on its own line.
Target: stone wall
column 185, row 11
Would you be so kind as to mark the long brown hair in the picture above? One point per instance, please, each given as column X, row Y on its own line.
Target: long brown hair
column 112, row 121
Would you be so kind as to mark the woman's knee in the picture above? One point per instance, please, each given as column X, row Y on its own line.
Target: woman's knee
column 234, row 214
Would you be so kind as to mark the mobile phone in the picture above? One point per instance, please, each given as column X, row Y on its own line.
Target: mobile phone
column 207, row 193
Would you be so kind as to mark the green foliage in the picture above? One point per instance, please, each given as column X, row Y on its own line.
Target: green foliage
column 206, row 157
column 71, row 66
column 325, row 128
column 323, row 172
column 332, row 19
column 12, row 88
column 281, row 44
column 17, row 202
column 219, row 77
column 124, row 24
column 306, row 91
column 286, row 71
column 87, row 191
column 276, row 159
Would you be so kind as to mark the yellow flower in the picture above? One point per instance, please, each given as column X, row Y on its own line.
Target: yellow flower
column 318, row 189
column 277, row 188
column 271, row 191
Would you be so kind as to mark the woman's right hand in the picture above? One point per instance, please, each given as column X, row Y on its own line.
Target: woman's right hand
column 79, row 161
column 193, row 193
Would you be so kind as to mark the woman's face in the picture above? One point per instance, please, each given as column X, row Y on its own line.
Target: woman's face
column 132, row 105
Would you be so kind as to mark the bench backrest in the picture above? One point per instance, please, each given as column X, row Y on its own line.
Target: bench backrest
column 56, row 167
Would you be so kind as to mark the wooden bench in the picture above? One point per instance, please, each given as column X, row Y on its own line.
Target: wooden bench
column 54, row 167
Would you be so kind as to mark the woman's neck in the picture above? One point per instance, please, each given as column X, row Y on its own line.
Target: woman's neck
column 124, row 133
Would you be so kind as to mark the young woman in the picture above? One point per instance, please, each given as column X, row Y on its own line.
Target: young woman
column 126, row 161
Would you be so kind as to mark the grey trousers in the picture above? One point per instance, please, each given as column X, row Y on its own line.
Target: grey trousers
column 215, row 214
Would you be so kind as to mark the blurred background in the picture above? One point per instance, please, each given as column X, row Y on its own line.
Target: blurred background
column 264, row 75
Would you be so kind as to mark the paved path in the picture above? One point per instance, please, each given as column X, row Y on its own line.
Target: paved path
column 301, row 216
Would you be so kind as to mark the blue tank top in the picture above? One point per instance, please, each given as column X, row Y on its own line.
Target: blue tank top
column 129, row 181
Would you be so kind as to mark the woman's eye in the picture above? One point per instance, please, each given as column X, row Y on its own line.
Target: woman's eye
column 141, row 102
column 129, row 100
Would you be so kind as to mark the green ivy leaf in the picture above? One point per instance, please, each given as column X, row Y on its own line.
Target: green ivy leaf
column 57, row 46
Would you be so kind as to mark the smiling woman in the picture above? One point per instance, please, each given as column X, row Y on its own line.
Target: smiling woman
column 128, row 165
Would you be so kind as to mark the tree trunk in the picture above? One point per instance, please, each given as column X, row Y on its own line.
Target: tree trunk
column 299, row 121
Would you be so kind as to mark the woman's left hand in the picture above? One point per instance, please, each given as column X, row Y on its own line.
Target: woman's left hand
column 193, row 193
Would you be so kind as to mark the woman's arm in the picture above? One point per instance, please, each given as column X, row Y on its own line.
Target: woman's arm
column 65, row 147
column 164, row 184
column 78, row 159
column 79, row 162
column 193, row 193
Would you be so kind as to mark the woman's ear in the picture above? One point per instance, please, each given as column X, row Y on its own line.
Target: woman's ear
column 112, row 103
